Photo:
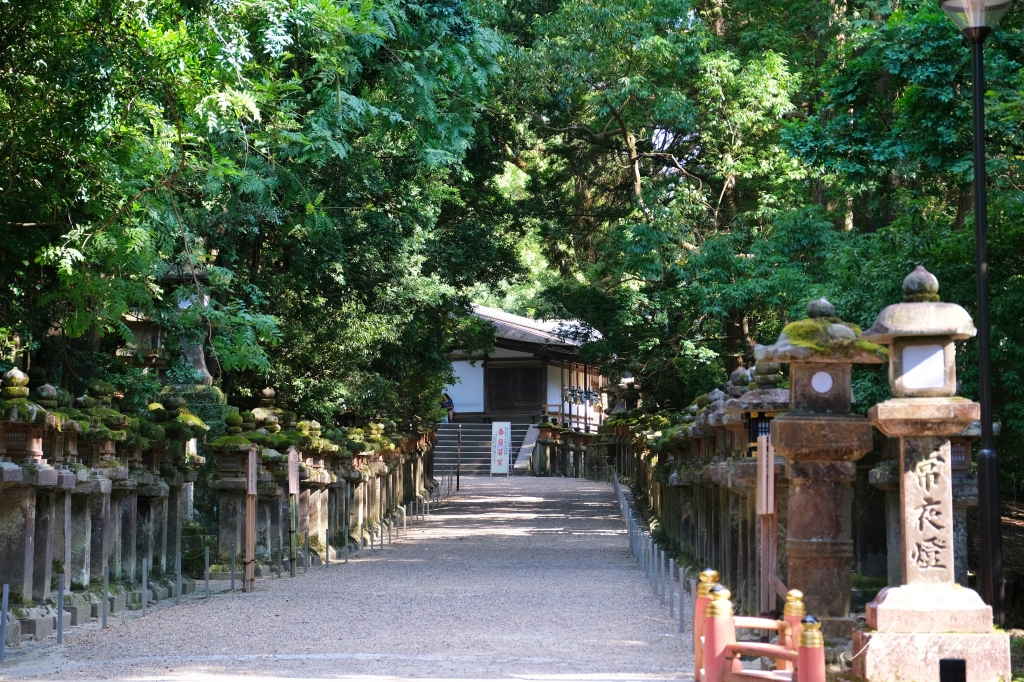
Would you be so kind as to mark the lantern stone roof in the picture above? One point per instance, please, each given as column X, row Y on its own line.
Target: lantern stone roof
column 921, row 313
column 821, row 338
column 921, row 319
column 973, row 430
column 760, row 400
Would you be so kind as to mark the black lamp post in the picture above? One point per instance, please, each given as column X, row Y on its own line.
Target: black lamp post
column 976, row 19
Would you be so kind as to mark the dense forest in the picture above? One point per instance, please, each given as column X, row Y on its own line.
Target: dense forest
column 315, row 190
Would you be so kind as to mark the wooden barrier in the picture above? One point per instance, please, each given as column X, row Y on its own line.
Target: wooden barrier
column 799, row 651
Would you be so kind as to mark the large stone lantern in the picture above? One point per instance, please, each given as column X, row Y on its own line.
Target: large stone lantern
column 821, row 441
column 929, row 617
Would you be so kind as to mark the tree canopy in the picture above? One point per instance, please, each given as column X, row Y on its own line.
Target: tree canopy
column 696, row 172
column 314, row 190
column 312, row 160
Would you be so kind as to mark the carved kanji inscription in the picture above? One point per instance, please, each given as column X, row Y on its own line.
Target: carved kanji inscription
column 926, row 497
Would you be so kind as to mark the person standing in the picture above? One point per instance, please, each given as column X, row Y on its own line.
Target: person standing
column 449, row 406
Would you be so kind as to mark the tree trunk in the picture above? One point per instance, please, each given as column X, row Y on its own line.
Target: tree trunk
column 736, row 338
column 964, row 203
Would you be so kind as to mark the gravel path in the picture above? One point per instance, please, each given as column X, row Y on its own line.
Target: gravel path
column 521, row 578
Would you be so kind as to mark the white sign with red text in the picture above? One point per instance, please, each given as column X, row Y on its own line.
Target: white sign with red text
column 501, row 444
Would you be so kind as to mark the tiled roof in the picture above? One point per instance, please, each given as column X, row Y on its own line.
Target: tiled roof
column 518, row 328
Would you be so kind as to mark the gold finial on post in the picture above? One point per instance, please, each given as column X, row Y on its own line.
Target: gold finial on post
column 795, row 604
column 810, row 633
column 708, row 579
column 719, row 604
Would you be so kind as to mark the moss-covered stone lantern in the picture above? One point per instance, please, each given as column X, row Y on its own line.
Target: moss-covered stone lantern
column 821, row 440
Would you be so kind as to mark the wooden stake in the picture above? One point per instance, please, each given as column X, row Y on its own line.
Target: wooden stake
column 249, row 579
column 293, row 508
column 768, row 520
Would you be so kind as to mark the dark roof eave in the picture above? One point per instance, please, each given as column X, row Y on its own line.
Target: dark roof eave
column 543, row 350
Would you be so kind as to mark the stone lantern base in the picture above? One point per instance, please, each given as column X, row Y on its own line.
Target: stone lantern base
column 913, row 627
column 906, row 656
column 929, row 608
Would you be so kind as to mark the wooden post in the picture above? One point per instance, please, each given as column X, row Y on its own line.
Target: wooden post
column 249, row 579
column 810, row 663
column 561, row 398
column 293, row 508
column 766, row 514
column 586, row 405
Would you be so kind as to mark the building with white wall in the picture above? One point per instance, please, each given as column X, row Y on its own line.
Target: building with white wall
column 533, row 370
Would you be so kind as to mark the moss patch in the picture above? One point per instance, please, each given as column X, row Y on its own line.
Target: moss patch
column 815, row 333
column 230, row 442
column 810, row 333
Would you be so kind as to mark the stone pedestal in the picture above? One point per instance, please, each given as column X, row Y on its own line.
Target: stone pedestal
column 870, row 541
column 175, row 511
column 742, row 482
column 81, row 540
column 17, row 538
column 339, row 512
column 278, row 528
column 546, row 466
column 158, row 507
column 302, row 511
column 926, row 501
column 99, row 550
column 149, row 537
column 355, row 511
column 820, row 452
column 42, row 563
column 885, row 477
column 318, row 518
column 230, row 516
column 965, row 494
column 127, row 512
column 922, row 607
column 819, row 543
column 913, row 626
column 62, row 530
column 910, row 656
column 264, row 528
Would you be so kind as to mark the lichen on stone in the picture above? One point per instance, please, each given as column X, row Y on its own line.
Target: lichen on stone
column 828, row 335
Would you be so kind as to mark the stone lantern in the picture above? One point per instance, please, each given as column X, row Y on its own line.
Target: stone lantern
column 929, row 616
column 821, row 441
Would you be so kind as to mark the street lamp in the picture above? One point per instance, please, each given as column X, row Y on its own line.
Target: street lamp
column 976, row 19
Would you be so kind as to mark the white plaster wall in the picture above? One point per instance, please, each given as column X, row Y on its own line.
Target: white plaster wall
column 467, row 394
column 554, row 388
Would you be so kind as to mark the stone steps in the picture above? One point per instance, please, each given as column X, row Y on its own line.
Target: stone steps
column 476, row 447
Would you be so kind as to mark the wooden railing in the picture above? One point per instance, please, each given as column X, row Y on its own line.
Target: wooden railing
column 575, row 414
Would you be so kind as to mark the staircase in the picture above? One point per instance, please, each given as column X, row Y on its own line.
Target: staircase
column 476, row 447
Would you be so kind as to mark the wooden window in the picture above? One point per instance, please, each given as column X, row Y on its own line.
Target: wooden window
column 515, row 388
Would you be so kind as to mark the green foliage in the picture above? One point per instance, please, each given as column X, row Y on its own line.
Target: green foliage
column 312, row 193
column 302, row 190
column 695, row 172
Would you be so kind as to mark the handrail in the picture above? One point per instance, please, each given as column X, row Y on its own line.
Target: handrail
column 754, row 623
column 761, row 649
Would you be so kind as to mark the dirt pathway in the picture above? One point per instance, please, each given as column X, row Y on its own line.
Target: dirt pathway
column 522, row 578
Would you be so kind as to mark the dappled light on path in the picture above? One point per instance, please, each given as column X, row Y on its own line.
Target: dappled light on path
column 518, row 579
